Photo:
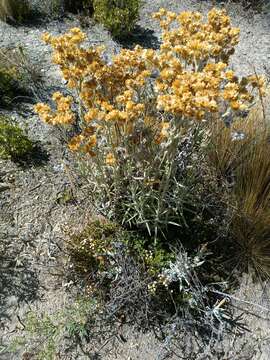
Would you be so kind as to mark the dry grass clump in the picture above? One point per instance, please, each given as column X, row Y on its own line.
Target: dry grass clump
column 5, row 9
column 230, row 143
column 240, row 154
column 19, row 77
column 251, row 223
column 15, row 10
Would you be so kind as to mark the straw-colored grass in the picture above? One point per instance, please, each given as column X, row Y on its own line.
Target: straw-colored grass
column 15, row 10
column 241, row 155
column 5, row 9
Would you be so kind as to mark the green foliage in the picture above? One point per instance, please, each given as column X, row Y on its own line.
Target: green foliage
column 153, row 258
column 89, row 248
column 9, row 76
column 118, row 16
column 54, row 8
column 44, row 333
column 65, row 197
column 13, row 143
column 93, row 250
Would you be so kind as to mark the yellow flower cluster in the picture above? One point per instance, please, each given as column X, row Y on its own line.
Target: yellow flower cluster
column 163, row 133
column 63, row 114
column 196, row 40
column 142, row 93
column 110, row 159
column 193, row 63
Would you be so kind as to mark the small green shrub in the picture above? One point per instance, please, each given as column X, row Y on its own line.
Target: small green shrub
column 13, row 143
column 88, row 249
column 10, row 77
column 16, row 10
column 118, row 16
column 94, row 253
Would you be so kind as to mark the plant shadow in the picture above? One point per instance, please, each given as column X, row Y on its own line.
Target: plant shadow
column 141, row 36
column 19, row 284
column 34, row 19
column 38, row 157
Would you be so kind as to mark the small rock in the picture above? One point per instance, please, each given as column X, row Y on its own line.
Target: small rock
column 4, row 186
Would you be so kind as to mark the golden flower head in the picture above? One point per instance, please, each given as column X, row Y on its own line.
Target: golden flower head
column 110, row 159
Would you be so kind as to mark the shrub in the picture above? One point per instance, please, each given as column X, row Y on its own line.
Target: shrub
column 13, row 143
column 142, row 115
column 135, row 279
column 16, row 10
column 118, row 16
column 9, row 76
column 88, row 250
column 95, row 249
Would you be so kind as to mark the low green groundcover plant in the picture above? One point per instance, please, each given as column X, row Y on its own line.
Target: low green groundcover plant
column 44, row 334
column 14, row 144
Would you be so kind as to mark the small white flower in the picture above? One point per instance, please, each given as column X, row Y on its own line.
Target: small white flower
column 238, row 135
